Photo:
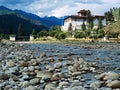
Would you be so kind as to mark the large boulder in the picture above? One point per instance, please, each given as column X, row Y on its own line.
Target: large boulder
column 114, row 84
column 45, row 75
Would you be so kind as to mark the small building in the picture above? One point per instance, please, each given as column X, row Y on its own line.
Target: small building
column 76, row 21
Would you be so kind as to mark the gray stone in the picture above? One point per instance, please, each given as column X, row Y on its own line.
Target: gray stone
column 34, row 81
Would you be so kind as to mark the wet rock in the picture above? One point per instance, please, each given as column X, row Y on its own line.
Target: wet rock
column 111, row 76
column 75, row 88
column 114, row 84
column 23, row 64
column 43, row 55
column 76, row 65
column 58, row 65
column 25, row 84
column 14, row 77
column 4, row 76
column 34, row 81
column 64, row 83
column 44, row 75
column 50, row 87
column 10, row 63
column 95, row 85
column 76, row 73
column 31, row 88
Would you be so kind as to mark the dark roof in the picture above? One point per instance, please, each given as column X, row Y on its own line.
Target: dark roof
column 83, row 17
column 82, row 11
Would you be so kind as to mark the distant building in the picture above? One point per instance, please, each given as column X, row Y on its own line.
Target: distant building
column 76, row 21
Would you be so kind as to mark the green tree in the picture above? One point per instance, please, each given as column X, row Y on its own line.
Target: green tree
column 34, row 33
column 42, row 33
column 109, row 16
column 91, row 25
column 79, row 34
column 53, row 30
column 60, row 35
column 89, row 16
column 83, row 26
column 100, row 25
column 20, row 32
column 89, row 19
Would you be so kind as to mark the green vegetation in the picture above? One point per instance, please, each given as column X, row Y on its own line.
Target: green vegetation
column 113, row 30
column 3, row 36
column 20, row 28
column 113, row 17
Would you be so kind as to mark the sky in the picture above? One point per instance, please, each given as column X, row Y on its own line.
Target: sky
column 61, row 8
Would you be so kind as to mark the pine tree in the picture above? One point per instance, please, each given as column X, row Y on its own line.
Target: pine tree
column 89, row 20
column 20, row 27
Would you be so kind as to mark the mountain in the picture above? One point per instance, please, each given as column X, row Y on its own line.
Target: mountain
column 4, row 10
column 47, row 21
column 10, row 20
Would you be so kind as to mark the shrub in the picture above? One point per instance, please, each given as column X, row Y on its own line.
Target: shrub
column 79, row 34
column 60, row 35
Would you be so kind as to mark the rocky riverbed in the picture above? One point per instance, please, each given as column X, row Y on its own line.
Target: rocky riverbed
column 59, row 66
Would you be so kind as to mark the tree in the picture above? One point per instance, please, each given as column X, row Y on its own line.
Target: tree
column 109, row 16
column 100, row 26
column 83, row 26
column 89, row 20
column 33, row 33
column 79, row 34
column 42, row 33
column 20, row 27
column 70, row 29
column 60, row 35
column 89, row 16
column 91, row 25
column 53, row 30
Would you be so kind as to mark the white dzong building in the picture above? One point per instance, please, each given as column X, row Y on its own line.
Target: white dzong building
column 76, row 21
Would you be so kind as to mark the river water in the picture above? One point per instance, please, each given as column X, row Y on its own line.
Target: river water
column 106, row 56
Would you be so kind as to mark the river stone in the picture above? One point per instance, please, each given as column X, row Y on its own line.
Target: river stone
column 34, row 81
column 42, row 55
column 25, row 84
column 10, row 63
column 4, row 76
column 31, row 68
column 23, row 64
column 58, row 65
column 31, row 88
column 114, row 84
column 50, row 87
column 111, row 76
column 100, row 77
column 13, row 70
column 63, row 83
column 76, row 65
column 76, row 73
column 95, row 85
column 44, row 75
column 14, row 77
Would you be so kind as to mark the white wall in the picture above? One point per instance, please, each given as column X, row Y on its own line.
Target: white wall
column 77, row 23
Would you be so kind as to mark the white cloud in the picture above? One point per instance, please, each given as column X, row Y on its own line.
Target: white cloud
column 61, row 7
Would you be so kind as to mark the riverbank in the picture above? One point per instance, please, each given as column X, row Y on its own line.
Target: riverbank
column 59, row 66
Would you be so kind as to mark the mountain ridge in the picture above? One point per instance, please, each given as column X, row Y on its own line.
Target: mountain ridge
column 10, row 19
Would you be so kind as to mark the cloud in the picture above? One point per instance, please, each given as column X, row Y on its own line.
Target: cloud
column 90, row 1
column 60, row 7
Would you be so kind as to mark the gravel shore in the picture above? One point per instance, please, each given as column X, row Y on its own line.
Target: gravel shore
column 55, row 66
